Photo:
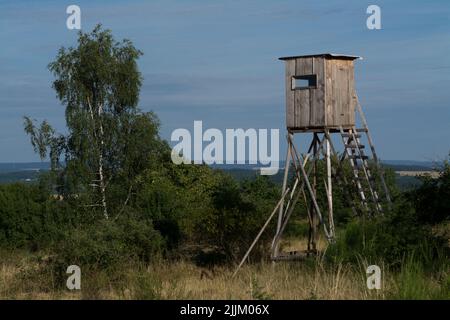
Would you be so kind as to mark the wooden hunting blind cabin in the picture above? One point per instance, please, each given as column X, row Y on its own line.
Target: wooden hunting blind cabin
column 320, row 92
column 321, row 100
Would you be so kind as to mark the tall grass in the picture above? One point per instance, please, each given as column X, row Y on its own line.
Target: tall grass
column 414, row 281
column 24, row 276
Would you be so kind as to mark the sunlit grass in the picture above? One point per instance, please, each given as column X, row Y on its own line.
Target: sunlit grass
column 24, row 277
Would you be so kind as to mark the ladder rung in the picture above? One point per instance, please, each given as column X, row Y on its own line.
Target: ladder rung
column 358, row 179
column 362, row 179
column 294, row 255
column 354, row 146
column 351, row 135
column 357, row 156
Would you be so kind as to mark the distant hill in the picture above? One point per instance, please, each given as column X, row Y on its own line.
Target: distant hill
column 29, row 171
column 23, row 166
column 241, row 172
column 397, row 165
column 22, row 172
column 409, row 165
column 19, row 176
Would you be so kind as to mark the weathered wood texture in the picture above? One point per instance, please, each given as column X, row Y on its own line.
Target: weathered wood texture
column 290, row 94
column 302, row 96
column 317, row 102
column 339, row 93
column 330, row 103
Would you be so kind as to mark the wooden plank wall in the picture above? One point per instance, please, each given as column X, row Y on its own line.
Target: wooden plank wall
column 340, row 107
column 317, row 96
column 302, row 108
column 290, row 94
column 331, row 104
column 305, row 107
column 329, row 93
column 352, row 92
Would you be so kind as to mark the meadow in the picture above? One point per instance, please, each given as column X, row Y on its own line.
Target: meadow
column 23, row 276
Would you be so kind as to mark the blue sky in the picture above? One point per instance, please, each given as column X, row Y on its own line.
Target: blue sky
column 216, row 61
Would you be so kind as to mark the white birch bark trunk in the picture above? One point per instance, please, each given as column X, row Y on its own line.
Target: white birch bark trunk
column 100, row 165
column 101, row 175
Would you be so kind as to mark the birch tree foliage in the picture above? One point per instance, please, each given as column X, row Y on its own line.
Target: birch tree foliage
column 108, row 137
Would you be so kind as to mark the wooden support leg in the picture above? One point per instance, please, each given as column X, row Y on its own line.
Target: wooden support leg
column 275, row 246
column 312, row 238
column 297, row 165
column 311, row 193
column 339, row 174
column 261, row 231
column 329, row 188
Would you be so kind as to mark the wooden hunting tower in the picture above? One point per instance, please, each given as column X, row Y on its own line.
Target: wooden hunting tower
column 320, row 92
column 321, row 100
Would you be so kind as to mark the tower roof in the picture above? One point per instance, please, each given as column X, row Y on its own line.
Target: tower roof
column 324, row 55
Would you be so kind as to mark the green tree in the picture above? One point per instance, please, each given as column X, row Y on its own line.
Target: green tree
column 432, row 197
column 109, row 140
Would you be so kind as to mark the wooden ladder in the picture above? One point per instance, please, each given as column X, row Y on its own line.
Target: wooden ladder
column 354, row 151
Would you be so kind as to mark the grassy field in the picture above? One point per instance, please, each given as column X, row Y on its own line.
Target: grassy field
column 25, row 276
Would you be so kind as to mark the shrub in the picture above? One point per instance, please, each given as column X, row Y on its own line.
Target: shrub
column 390, row 238
column 31, row 218
column 107, row 244
column 432, row 198
column 238, row 213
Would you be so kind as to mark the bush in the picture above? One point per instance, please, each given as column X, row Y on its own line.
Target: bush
column 238, row 213
column 31, row 218
column 390, row 238
column 176, row 198
column 107, row 244
column 432, row 198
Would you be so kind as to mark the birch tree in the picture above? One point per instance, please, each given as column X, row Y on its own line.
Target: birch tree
column 98, row 83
